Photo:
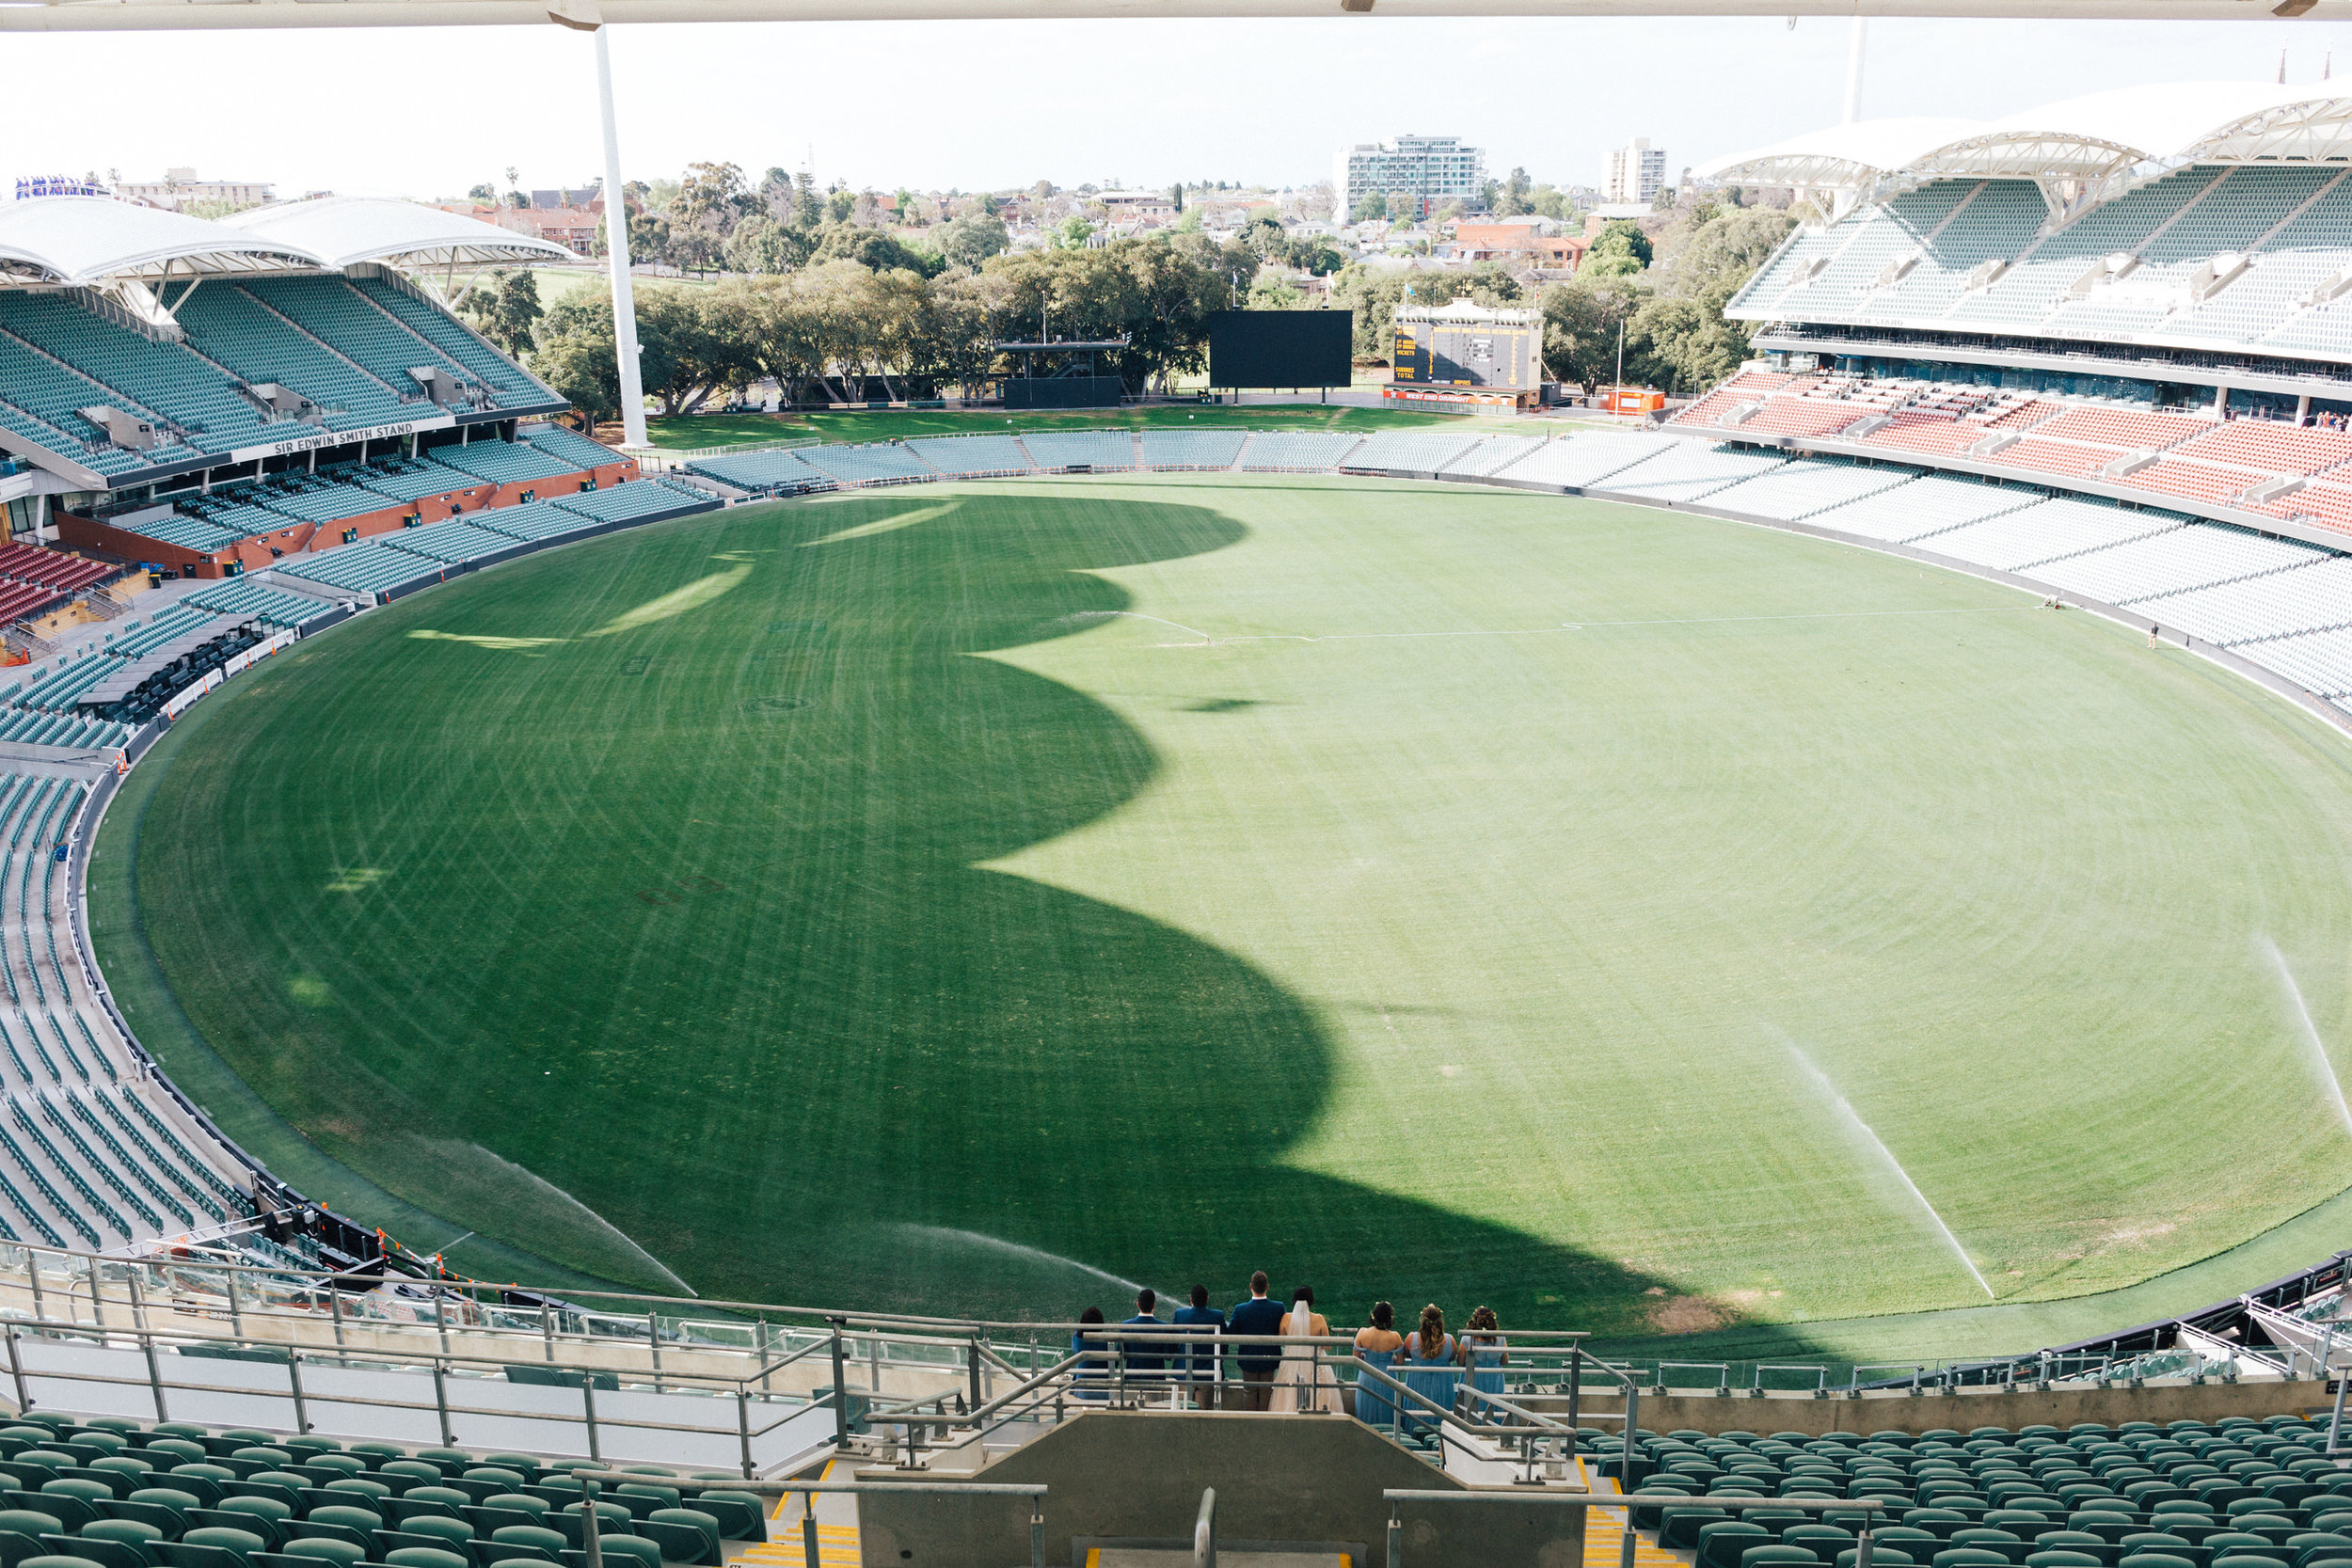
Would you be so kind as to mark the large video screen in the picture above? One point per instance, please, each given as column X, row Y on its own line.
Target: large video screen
column 1282, row 348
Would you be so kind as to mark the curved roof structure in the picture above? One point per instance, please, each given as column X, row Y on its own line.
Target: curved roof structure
column 1843, row 156
column 345, row 229
column 2081, row 152
column 84, row 239
column 2167, row 125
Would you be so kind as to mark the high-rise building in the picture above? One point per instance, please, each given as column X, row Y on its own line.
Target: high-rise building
column 1427, row 171
column 1635, row 172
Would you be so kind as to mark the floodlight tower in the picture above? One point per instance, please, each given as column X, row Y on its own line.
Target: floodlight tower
column 584, row 16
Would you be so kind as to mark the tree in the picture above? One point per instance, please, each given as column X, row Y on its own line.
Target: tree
column 1511, row 197
column 1264, row 237
column 775, row 196
column 711, row 199
column 576, row 355
column 485, row 193
column 1176, row 196
column 1707, row 249
column 506, row 307
column 840, row 206
column 972, row 239
column 760, row 244
column 1621, row 251
column 1370, row 206
column 874, row 249
column 1685, row 343
column 1581, row 321
column 1272, row 292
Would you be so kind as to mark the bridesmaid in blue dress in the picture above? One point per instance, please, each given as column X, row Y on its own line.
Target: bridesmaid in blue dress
column 1431, row 1370
column 1485, row 1353
column 1377, row 1346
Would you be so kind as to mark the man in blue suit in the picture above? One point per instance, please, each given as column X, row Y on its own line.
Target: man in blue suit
column 1258, row 1316
column 1201, row 1366
column 1144, row 1364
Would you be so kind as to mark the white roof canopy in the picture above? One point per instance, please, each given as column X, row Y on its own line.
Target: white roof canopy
column 1842, row 157
column 84, row 239
column 2081, row 152
column 346, row 229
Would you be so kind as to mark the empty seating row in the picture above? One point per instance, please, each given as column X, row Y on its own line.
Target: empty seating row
column 365, row 568
column 1191, row 449
column 234, row 330
column 331, row 311
column 454, row 338
column 570, row 447
column 1410, row 451
column 1098, row 451
column 645, row 498
column 971, row 456
column 114, row 1495
column 869, row 465
column 502, row 462
column 453, row 543
column 241, row 597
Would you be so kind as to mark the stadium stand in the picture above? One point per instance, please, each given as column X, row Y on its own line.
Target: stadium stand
column 641, row 501
column 874, row 465
column 1486, row 456
column 453, row 543
column 366, row 568
column 1296, row 452
column 569, row 448
column 241, row 597
column 764, row 473
column 403, row 479
column 1808, row 487
column 1190, row 449
column 535, row 520
column 973, row 457
column 230, row 326
column 2251, row 610
column 2046, row 530
column 1583, row 460
column 332, row 311
column 1686, row 470
column 1098, row 451
column 447, row 333
column 502, row 462
column 1408, row 451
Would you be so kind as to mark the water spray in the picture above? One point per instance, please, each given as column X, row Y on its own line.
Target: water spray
column 1860, row 1128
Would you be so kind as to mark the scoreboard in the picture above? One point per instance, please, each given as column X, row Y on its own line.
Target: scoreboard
column 1469, row 345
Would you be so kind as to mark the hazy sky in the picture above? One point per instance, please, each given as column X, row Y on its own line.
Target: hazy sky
column 426, row 113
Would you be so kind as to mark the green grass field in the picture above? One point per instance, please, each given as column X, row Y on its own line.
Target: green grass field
column 923, row 898
column 689, row 432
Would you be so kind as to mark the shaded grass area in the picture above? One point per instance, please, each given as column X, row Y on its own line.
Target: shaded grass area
column 118, row 932
column 973, row 896
column 884, row 424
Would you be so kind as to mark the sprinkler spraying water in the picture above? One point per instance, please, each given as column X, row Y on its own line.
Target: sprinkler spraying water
column 2312, row 1041
column 1860, row 1131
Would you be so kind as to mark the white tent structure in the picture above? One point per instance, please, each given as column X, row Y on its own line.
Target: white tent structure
column 346, row 229
column 92, row 239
